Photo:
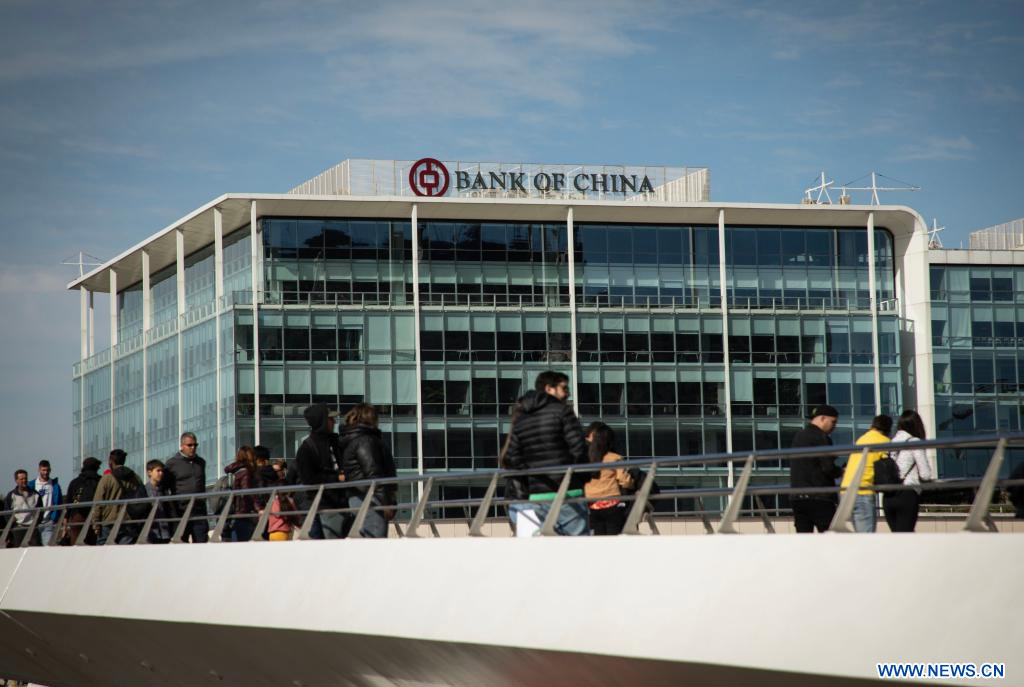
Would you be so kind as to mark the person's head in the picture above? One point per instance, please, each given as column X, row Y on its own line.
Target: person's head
column 553, row 384
column 91, row 464
column 883, row 423
column 320, row 418
column 188, row 444
column 280, row 468
column 825, row 417
column 911, row 423
column 155, row 471
column 601, row 438
column 117, row 458
column 262, row 454
column 21, row 478
column 246, row 456
column 44, row 470
column 361, row 414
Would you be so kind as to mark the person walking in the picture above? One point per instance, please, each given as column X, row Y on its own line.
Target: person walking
column 245, row 506
column 864, row 507
column 317, row 462
column 901, row 507
column 607, row 513
column 185, row 473
column 161, row 531
column 547, row 434
column 22, row 500
column 814, row 511
column 365, row 456
column 82, row 489
column 50, row 494
column 117, row 484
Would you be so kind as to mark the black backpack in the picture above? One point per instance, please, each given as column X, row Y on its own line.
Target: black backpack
column 134, row 489
column 887, row 472
column 639, row 477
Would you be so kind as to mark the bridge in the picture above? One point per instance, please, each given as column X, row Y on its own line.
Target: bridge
column 771, row 609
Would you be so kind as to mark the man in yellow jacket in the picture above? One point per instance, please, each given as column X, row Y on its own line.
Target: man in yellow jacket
column 864, row 511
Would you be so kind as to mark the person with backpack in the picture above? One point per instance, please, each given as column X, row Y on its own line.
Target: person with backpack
column 317, row 463
column 547, row 434
column 864, row 507
column 247, row 505
column 186, row 474
column 119, row 484
column 49, row 491
column 364, row 456
column 607, row 513
column 82, row 489
column 912, row 468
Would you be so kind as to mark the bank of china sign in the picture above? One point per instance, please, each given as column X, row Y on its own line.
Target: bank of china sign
column 430, row 177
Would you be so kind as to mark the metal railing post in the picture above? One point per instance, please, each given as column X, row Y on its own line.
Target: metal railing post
column 261, row 524
column 636, row 513
column 55, row 537
column 86, row 526
column 218, row 532
column 354, row 533
column 768, row 526
column 30, row 530
column 148, row 525
column 702, row 509
column 307, row 524
column 978, row 518
column 179, row 531
column 841, row 520
column 417, row 514
column 112, row 537
column 727, row 524
column 548, row 528
column 476, row 526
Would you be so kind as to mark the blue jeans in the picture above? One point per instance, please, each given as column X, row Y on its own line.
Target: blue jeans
column 375, row 526
column 864, row 513
column 573, row 519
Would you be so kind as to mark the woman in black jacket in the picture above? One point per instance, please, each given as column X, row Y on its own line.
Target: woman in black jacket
column 364, row 456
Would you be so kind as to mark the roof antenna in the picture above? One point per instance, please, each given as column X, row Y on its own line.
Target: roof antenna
column 933, row 234
column 875, row 188
column 821, row 188
column 83, row 259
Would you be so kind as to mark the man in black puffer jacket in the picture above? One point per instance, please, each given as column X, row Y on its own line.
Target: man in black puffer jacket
column 547, row 434
column 316, row 461
column 365, row 455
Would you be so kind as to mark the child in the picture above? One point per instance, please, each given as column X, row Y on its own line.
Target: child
column 161, row 531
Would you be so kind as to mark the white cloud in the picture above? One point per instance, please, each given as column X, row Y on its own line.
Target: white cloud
column 960, row 148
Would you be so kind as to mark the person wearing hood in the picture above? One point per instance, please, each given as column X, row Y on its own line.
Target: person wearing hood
column 365, row 456
column 22, row 498
column 50, row 495
column 901, row 506
column 116, row 484
column 547, row 434
column 82, row 489
column 317, row 463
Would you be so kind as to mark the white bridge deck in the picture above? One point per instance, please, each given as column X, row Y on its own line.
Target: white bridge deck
column 671, row 610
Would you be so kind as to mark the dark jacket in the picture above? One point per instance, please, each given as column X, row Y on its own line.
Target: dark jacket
column 81, row 490
column 317, row 458
column 547, row 434
column 365, row 455
column 163, row 525
column 813, row 472
column 186, row 476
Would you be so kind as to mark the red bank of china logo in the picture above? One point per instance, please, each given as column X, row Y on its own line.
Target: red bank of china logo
column 428, row 177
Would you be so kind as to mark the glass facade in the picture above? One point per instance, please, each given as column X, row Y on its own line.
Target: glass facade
column 978, row 349
column 336, row 324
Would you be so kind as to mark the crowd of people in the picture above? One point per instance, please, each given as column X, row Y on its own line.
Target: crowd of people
column 545, row 433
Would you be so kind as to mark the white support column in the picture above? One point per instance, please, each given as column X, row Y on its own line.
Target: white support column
column 92, row 324
column 873, row 304
column 414, row 219
column 571, row 236
column 147, row 324
column 254, row 269
column 723, row 289
column 179, row 242
column 84, row 321
column 218, row 295
column 113, row 352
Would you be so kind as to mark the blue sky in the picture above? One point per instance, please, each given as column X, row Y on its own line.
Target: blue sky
column 116, row 118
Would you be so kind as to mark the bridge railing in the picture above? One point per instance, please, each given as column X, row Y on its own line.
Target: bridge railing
column 20, row 526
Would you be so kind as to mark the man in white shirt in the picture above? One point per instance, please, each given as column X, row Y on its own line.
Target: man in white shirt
column 50, row 495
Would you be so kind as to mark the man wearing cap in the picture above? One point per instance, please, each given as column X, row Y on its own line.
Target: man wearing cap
column 317, row 463
column 812, row 511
